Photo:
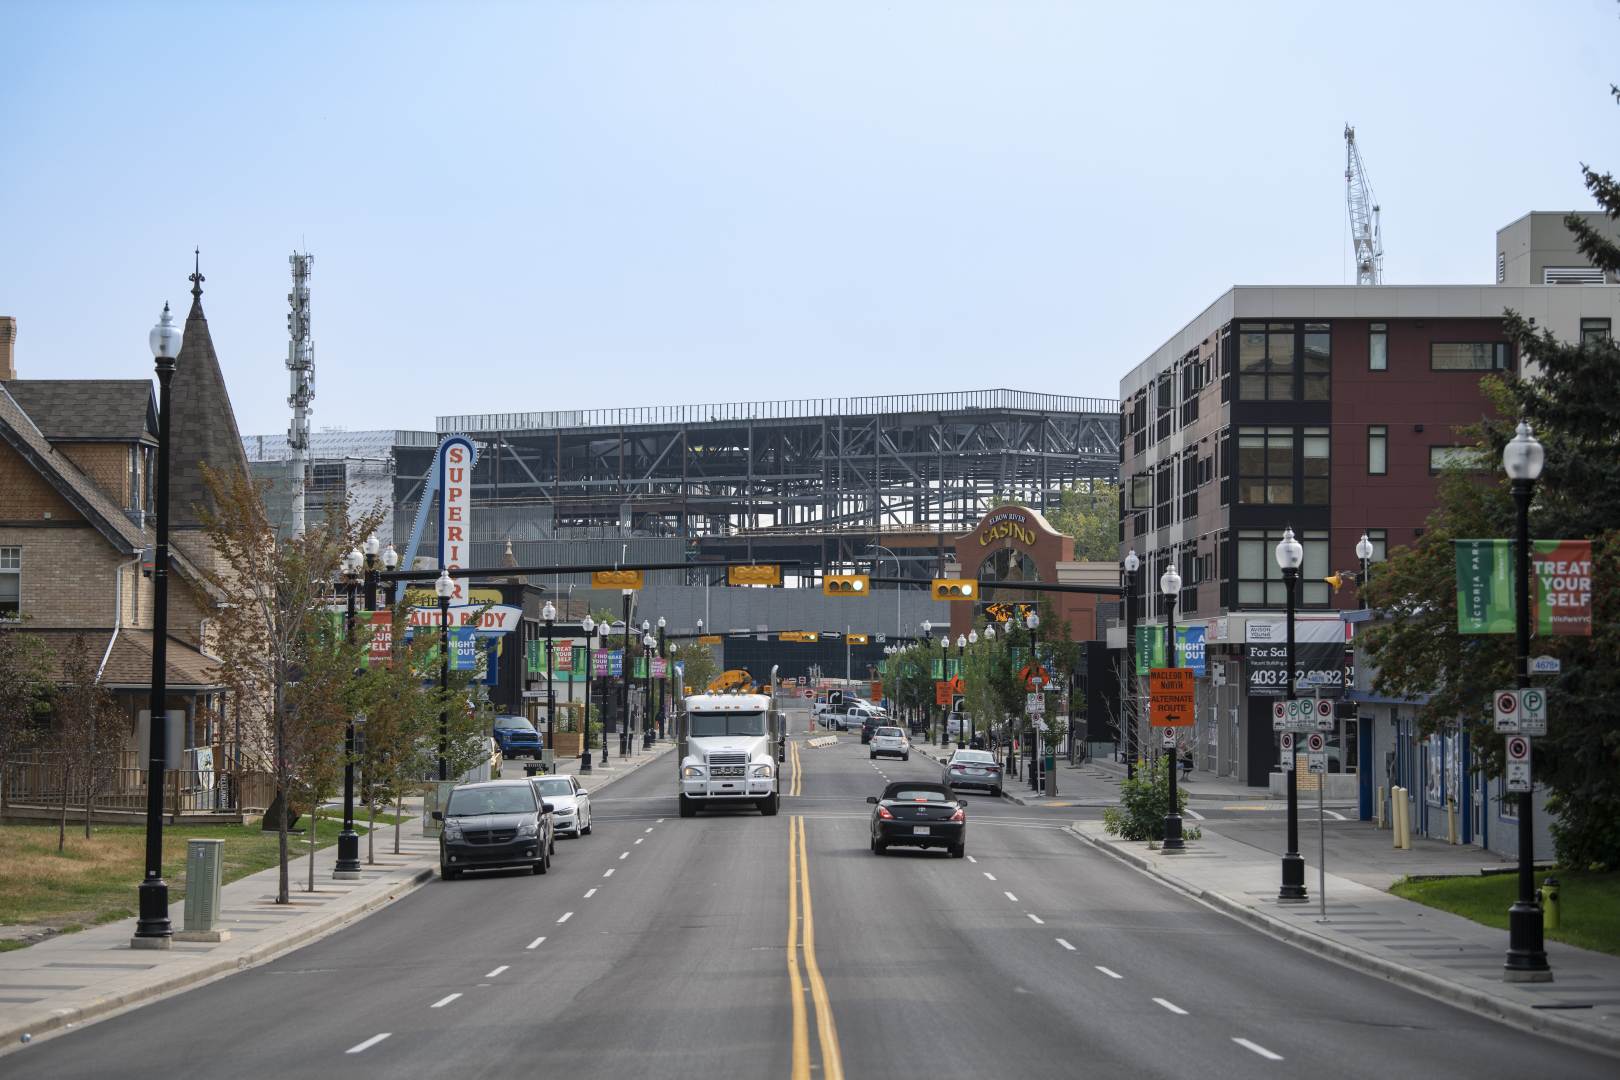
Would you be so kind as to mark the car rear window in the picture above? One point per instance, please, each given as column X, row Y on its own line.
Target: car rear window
column 916, row 793
column 975, row 756
column 891, row 731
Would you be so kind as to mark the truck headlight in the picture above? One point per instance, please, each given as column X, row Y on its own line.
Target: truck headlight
column 692, row 772
column 763, row 770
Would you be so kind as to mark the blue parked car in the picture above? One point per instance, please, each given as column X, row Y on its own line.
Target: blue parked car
column 516, row 737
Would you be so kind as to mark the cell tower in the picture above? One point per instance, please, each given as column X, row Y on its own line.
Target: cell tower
column 301, row 367
column 1364, row 213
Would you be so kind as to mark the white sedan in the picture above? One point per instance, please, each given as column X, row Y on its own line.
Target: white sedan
column 570, row 803
column 892, row 741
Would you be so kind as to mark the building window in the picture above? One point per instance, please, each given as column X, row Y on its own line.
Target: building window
column 1378, row 347
column 1189, row 484
column 1501, row 267
column 10, row 582
column 1266, row 362
column 1314, row 446
column 1571, row 275
column 1265, row 466
column 1377, row 449
column 1453, row 457
column 1166, row 407
column 1163, row 495
column 1468, row 356
column 1594, row 330
column 1260, row 580
column 1316, row 382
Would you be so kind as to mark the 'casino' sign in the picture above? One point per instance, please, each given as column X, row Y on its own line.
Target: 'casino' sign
column 1006, row 524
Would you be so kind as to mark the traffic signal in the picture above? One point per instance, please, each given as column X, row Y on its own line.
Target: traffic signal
column 950, row 588
column 762, row 574
column 848, row 586
column 858, row 639
column 616, row 579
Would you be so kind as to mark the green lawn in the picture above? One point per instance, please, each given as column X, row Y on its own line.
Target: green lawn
column 93, row 881
column 1590, row 902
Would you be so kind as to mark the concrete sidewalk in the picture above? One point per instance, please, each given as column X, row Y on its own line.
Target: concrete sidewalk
column 71, row 979
column 1433, row 952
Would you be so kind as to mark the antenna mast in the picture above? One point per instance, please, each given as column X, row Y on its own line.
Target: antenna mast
column 1364, row 214
column 301, row 366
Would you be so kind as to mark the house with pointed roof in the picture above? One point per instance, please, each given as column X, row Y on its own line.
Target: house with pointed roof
column 77, row 518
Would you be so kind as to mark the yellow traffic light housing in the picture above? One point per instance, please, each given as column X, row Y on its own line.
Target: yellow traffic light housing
column 616, row 579
column 950, row 588
column 857, row 639
column 761, row 574
column 847, row 586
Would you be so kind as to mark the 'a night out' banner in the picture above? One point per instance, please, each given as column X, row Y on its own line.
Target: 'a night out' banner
column 1560, row 587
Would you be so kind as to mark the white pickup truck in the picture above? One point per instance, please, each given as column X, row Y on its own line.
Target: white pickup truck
column 727, row 747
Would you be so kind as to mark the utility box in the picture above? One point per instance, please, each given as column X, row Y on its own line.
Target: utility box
column 205, row 871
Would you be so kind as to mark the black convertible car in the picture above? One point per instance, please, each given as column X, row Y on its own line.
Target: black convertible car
column 918, row 814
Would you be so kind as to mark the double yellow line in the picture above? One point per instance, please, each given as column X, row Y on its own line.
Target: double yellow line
column 832, row 1058
column 796, row 784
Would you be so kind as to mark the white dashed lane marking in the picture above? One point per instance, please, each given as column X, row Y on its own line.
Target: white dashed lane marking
column 639, row 839
column 971, row 859
column 497, row 971
column 1010, row 896
column 535, row 944
column 566, row 916
column 649, row 828
column 360, row 1048
column 589, row 893
column 1257, row 1048
column 442, row 1002
column 1065, row 944
column 1172, row 1006
column 607, row 873
column 624, row 854
column 989, row 875
column 1036, row 919
column 1110, row 972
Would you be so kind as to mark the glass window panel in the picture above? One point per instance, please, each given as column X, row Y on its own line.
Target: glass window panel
column 1378, row 348
column 10, row 558
column 1316, row 555
column 1316, row 446
column 1314, row 592
column 1280, row 351
column 1251, row 592
column 1280, row 491
column 1252, row 349
column 1465, row 356
column 1315, row 491
column 1318, row 350
column 1378, row 450
column 1276, row 594
column 1316, row 388
column 1252, row 387
column 1280, row 388
column 1251, row 558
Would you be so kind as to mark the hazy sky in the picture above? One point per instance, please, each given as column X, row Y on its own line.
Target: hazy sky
column 560, row 205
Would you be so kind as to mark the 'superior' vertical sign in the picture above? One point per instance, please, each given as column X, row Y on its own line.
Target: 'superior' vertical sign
column 456, row 459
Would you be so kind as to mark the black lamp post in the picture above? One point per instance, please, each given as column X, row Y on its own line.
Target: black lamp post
column 1522, row 458
column 648, row 643
column 347, row 867
column 624, row 682
column 443, row 587
column 1170, row 586
column 664, row 679
column 548, row 615
column 961, row 726
column 1364, row 552
column 588, row 627
column 1032, row 622
column 1290, row 554
column 1132, row 564
column 928, row 665
column 602, row 631
column 152, row 929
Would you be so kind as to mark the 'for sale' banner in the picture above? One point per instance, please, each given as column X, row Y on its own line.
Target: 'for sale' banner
column 1560, row 587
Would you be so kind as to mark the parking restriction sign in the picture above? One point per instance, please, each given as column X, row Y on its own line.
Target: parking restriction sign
column 1518, row 763
column 1505, row 709
column 1532, row 712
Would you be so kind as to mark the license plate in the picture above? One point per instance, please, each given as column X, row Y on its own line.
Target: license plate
column 920, row 830
column 976, row 772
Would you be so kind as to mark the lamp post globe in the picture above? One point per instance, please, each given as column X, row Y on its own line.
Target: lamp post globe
column 1364, row 548
column 989, row 633
column 1170, row 583
column 961, row 641
column 1523, row 456
column 973, row 637
column 373, row 546
column 1290, row 554
column 443, row 587
column 165, row 337
column 1133, row 562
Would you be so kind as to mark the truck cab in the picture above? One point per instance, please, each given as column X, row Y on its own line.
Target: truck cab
column 727, row 745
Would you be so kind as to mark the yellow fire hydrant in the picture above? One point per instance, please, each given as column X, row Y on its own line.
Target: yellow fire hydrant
column 1551, row 909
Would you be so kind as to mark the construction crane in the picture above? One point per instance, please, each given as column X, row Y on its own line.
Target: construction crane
column 301, row 368
column 1364, row 211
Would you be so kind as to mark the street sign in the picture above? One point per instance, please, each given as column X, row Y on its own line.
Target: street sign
column 1532, row 712
column 1035, row 704
column 710, row 639
column 1169, row 738
column 1288, row 751
column 1324, row 714
column 1505, row 711
column 1302, row 714
column 807, row 692
column 1316, row 742
column 1171, row 697
column 1545, row 665
column 1318, row 763
column 1518, row 763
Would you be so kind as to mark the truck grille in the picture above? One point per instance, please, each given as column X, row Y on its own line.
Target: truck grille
column 728, row 757
column 727, row 770
column 490, row 836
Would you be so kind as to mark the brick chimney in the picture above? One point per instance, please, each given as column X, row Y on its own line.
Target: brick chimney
column 8, row 348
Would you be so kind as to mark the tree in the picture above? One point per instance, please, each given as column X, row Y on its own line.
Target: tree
column 87, row 732
column 1089, row 512
column 1417, row 650
column 277, row 646
column 700, row 666
column 400, row 743
column 24, row 696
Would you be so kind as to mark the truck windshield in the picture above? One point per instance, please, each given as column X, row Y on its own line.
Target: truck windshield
column 708, row 725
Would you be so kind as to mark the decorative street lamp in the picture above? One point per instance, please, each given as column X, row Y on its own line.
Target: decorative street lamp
column 1523, row 458
column 587, row 626
column 648, row 643
column 664, row 679
column 548, row 615
column 1170, row 586
column 1290, row 555
column 443, row 587
column 624, row 681
column 961, row 647
column 152, row 929
column 1031, row 621
column 1132, row 565
column 347, row 867
column 603, row 630
column 1364, row 552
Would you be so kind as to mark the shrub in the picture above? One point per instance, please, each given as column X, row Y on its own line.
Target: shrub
column 1144, row 800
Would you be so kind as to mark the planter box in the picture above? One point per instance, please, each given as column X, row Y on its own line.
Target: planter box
column 566, row 743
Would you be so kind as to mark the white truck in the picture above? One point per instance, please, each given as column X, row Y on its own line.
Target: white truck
column 728, row 747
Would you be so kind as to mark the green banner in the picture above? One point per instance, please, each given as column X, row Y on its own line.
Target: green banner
column 536, row 661
column 1150, row 648
column 1560, row 596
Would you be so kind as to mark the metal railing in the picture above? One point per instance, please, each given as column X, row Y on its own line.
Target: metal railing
column 782, row 409
column 41, row 781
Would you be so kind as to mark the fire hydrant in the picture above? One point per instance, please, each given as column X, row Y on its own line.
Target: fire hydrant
column 1550, row 906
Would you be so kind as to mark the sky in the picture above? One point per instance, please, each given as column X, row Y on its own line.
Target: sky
column 558, row 205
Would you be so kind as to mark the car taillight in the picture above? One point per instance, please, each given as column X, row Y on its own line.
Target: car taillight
column 958, row 768
column 960, row 815
column 883, row 812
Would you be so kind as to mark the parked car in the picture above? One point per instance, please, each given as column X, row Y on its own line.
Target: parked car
column 496, row 823
column 516, row 737
column 570, row 803
column 892, row 741
column 973, row 768
column 918, row 814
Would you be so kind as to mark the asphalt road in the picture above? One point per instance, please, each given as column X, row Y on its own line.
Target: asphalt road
column 733, row 944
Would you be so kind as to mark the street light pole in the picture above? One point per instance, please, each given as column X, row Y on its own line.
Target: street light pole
column 662, row 624
column 1128, row 712
column 152, row 929
column 548, row 615
column 587, row 626
column 1522, row 458
column 648, row 643
column 602, row 632
column 1290, row 554
column 624, row 683
column 1170, row 586
column 347, row 867
column 1364, row 552
column 443, row 587
column 961, row 726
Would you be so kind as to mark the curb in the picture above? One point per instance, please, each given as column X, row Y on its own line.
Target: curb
column 1525, row 1018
